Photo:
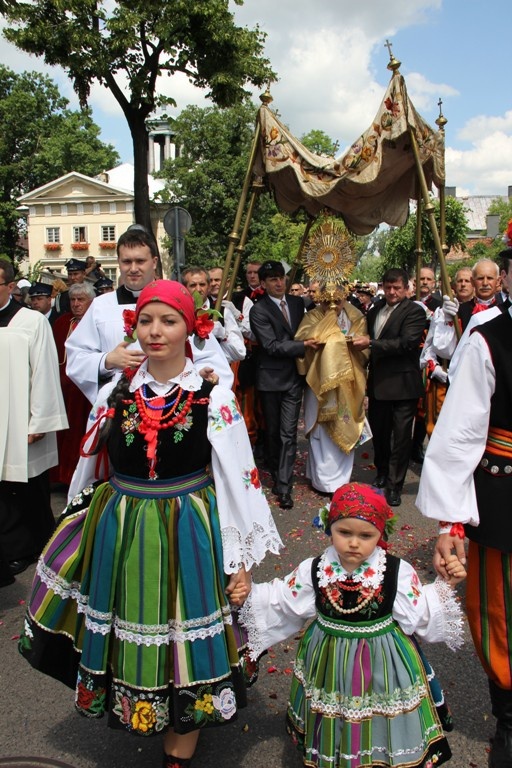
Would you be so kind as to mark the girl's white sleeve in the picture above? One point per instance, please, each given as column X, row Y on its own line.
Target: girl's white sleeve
column 431, row 611
column 278, row 609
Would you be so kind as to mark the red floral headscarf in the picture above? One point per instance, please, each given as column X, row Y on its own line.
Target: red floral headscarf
column 363, row 502
column 174, row 295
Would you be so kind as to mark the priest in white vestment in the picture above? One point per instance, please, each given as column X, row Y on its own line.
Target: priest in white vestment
column 33, row 412
column 334, row 416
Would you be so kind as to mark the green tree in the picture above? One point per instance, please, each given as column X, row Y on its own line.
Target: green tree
column 503, row 209
column 126, row 44
column 207, row 178
column 40, row 139
column 401, row 244
column 319, row 143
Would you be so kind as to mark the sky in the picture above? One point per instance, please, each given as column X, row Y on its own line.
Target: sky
column 331, row 59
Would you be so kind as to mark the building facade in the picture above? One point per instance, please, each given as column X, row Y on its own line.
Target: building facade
column 79, row 216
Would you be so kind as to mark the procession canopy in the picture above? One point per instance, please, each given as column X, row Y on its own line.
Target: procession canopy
column 371, row 183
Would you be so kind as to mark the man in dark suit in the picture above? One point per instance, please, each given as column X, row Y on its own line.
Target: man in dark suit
column 274, row 321
column 395, row 327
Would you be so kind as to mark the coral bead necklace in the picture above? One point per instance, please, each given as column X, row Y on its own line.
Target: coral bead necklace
column 153, row 420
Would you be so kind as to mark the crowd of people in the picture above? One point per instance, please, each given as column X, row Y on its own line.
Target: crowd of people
column 158, row 403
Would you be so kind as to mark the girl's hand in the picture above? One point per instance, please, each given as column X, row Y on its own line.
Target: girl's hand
column 239, row 587
column 455, row 570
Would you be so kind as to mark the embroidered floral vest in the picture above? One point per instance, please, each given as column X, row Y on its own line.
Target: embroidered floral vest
column 349, row 594
column 182, row 450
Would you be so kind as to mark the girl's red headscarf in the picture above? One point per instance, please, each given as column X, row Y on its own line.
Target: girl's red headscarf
column 173, row 294
column 361, row 501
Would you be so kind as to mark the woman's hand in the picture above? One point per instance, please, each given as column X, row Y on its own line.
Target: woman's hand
column 208, row 374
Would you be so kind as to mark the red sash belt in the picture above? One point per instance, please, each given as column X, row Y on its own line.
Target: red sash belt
column 499, row 442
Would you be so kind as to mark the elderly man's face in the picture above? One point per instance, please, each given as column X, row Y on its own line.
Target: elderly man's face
column 485, row 280
column 79, row 304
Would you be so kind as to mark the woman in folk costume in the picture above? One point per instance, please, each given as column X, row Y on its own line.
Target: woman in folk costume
column 129, row 604
column 334, row 415
column 360, row 694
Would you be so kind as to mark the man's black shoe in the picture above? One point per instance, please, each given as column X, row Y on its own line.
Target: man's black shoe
column 274, row 490
column 18, row 566
column 285, row 501
column 6, row 581
column 380, row 481
column 394, row 499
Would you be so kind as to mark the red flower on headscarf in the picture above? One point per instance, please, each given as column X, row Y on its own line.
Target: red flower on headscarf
column 129, row 323
column 203, row 326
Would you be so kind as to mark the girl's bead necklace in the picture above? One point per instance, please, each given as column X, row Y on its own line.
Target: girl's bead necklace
column 337, row 607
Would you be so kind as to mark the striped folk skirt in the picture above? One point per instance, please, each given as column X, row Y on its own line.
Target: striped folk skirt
column 128, row 607
column 360, row 697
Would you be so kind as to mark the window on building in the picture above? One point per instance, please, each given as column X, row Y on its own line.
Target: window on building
column 53, row 234
column 108, row 234
column 79, row 234
column 111, row 273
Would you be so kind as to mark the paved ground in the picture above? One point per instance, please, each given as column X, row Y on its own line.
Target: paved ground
column 37, row 716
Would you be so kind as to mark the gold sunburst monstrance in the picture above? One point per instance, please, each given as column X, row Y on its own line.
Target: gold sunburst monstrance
column 329, row 256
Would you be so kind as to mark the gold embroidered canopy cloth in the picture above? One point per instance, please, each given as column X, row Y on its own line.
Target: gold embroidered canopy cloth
column 371, row 183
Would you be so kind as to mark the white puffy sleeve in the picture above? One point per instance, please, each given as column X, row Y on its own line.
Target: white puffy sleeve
column 431, row 611
column 278, row 609
column 447, row 490
column 247, row 526
column 443, row 337
column 233, row 345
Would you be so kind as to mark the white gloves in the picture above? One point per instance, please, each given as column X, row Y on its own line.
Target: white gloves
column 219, row 331
column 440, row 374
column 450, row 307
column 234, row 311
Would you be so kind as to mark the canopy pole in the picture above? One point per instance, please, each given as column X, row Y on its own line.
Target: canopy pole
column 256, row 189
column 234, row 237
column 441, row 122
column 429, row 210
column 293, row 272
column 419, row 250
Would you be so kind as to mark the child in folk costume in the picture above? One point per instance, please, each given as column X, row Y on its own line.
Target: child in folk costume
column 360, row 694
column 129, row 604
